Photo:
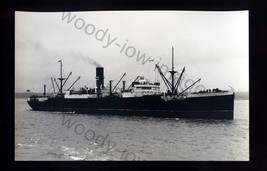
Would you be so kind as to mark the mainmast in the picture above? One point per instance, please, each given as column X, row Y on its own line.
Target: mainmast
column 61, row 79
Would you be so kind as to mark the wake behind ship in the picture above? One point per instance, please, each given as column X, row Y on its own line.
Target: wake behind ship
column 141, row 98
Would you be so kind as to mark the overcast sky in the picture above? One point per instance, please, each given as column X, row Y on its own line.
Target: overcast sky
column 210, row 45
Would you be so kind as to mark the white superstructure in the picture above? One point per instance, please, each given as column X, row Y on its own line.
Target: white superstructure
column 142, row 87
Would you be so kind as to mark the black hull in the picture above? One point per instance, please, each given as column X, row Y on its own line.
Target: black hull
column 209, row 107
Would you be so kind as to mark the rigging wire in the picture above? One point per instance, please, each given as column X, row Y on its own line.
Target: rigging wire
column 206, row 73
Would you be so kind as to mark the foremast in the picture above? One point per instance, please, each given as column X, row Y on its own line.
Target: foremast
column 172, row 86
column 172, row 75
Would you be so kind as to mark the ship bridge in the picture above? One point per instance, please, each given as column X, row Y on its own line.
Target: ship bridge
column 142, row 87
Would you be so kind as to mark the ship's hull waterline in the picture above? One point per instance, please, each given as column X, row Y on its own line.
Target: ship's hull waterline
column 203, row 107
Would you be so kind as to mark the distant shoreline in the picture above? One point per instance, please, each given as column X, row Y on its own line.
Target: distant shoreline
column 238, row 95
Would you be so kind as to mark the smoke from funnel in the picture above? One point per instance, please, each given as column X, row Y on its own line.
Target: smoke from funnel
column 84, row 58
column 90, row 61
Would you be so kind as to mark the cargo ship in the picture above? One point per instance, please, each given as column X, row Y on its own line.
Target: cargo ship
column 141, row 98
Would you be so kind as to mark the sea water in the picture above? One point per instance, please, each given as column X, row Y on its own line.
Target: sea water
column 53, row 136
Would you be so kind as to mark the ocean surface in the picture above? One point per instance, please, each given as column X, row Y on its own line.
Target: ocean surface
column 54, row 136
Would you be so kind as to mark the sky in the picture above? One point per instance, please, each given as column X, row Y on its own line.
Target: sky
column 212, row 46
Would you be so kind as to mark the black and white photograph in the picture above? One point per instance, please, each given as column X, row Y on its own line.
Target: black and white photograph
column 132, row 86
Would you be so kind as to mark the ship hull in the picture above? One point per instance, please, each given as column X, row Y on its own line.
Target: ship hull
column 204, row 107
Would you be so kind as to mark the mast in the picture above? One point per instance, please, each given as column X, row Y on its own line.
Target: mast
column 173, row 88
column 172, row 74
column 61, row 79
